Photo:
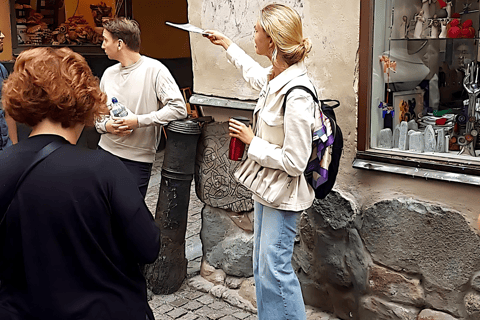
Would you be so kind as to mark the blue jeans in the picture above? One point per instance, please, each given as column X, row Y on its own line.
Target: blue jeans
column 279, row 296
column 4, row 138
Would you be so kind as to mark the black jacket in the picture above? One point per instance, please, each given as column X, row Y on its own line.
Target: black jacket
column 74, row 236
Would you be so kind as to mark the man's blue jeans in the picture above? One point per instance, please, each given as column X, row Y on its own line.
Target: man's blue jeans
column 279, row 296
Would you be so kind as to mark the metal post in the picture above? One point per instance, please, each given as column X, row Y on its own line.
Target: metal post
column 167, row 273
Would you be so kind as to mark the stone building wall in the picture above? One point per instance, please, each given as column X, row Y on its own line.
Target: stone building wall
column 397, row 259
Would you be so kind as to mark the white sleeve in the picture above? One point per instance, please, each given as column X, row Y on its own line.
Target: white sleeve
column 171, row 98
column 100, row 123
column 253, row 72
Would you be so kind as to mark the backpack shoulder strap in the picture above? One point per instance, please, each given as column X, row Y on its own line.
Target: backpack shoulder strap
column 314, row 96
column 330, row 103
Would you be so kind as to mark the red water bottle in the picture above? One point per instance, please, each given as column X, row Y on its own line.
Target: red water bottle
column 237, row 147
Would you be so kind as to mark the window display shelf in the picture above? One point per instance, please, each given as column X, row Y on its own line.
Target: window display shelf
column 423, row 85
column 85, row 50
column 76, row 24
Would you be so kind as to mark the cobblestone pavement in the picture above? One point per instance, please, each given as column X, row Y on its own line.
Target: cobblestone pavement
column 188, row 303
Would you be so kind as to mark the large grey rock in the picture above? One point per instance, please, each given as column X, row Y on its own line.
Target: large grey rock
column 335, row 211
column 214, row 181
column 225, row 246
column 373, row 308
column 330, row 258
column 357, row 260
column 344, row 300
column 419, row 238
column 394, row 286
column 334, row 245
column 428, row 314
column 315, row 293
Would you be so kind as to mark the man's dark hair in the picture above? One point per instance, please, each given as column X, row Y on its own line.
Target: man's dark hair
column 126, row 29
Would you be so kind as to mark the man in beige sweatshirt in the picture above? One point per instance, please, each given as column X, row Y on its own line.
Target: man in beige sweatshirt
column 149, row 92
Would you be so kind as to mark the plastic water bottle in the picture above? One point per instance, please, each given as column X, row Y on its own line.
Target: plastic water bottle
column 118, row 109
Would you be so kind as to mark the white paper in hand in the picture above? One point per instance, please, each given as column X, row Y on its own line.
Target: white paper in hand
column 187, row 27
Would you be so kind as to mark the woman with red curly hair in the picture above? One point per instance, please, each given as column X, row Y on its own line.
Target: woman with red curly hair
column 71, row 242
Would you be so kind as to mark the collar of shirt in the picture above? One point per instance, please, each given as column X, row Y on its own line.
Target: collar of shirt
column 126, row 70
column 290, row 73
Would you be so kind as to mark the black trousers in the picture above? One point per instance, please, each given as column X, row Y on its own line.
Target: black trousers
column 140, row 171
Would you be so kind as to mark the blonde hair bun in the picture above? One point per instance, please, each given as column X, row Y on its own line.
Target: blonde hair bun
column 284, row 25
column 307, row 44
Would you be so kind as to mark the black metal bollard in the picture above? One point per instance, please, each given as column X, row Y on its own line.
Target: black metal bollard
column 167, row 273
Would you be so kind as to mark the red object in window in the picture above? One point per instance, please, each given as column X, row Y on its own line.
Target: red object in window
column 442, row 4
column 454, row 23
column 467, row 24
column 467, row 30
column 454, row 32
column 468, row 33
column 441, row 121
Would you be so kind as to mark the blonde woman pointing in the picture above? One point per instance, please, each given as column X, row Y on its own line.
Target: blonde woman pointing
column 281, row 140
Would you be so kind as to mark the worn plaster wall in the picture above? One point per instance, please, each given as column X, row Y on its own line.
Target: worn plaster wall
column 333, row 27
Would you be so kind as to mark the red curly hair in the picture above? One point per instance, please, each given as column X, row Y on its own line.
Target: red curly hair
column 53, row 83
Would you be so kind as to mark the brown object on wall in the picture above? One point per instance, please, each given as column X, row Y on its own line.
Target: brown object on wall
column 192, row 110
column 100, row 12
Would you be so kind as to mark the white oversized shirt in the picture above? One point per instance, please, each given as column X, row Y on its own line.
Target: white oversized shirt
column 148, row 90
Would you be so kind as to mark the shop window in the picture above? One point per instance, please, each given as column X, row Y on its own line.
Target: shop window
column 419, row 87
column 73, row 23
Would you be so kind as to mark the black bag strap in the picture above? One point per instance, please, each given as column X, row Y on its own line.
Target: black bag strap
column 325, row 103
column 314, row 95
column 42, row 154
column 330, row 103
